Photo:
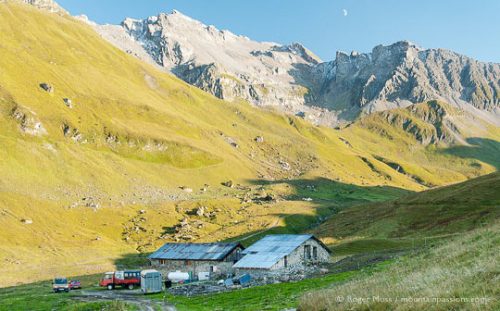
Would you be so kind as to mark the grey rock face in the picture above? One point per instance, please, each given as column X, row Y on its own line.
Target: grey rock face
column 219, row 62
column 28, row 121
column 402, row 74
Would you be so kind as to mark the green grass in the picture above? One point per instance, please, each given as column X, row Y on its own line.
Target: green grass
column 452, row 209
column 267, row 297
column 464, row 267
column 364, row 246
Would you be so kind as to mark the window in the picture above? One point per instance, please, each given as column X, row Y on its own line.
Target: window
column 212, row 269
column 315, row 253
column 60, row 281
column 286, row 261
column 187, row 262
column 307, row 252
column 237, row 256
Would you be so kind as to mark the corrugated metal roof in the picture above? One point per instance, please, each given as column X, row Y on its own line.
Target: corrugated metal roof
column 194, row 251
column 264, row 253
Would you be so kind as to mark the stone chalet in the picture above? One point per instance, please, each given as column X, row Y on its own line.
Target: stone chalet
column 280, row 252
column 216, row 258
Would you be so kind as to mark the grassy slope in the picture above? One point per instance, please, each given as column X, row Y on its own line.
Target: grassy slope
column 144, row 133
column 463, row 267
column 400, row 147
column 451, row 209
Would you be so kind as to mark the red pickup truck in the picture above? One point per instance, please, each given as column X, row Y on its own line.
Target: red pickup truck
column 126, row 279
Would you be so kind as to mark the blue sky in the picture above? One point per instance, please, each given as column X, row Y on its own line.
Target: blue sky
column 468, row 27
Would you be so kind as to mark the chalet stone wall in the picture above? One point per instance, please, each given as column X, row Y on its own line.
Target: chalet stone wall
column 298, row 257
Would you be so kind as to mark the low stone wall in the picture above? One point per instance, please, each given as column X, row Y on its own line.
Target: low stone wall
column 297, row 272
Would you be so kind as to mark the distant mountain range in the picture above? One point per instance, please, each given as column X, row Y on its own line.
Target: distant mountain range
column 292, row 78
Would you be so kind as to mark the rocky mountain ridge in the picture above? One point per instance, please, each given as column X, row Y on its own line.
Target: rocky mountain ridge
column 224, row 64
column 294, row 80
column 402, row 74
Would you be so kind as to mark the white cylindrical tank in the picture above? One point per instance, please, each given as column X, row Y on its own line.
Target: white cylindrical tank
column 178, row 276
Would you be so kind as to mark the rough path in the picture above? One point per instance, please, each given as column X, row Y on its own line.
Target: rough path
column 133, row 297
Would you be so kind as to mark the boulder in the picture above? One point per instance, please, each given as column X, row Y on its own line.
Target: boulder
column 200, row 211
column 228, row 184
column 27, row 221
column 259, row 139
column 285, row 165
column 186, row 189
column 47, row 87
column 68, row 102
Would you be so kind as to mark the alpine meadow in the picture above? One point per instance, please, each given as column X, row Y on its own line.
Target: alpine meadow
column 122, row 142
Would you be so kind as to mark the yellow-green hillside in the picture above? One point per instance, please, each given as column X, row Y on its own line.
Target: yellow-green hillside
column 417, row 218
column 84, row 186
column 460, row 273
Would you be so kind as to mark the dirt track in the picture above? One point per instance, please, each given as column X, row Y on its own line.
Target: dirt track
column 134, row 297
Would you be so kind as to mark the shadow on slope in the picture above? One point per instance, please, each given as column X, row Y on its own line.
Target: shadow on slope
column 483, row 149
column 442, row 211
column 328, row 197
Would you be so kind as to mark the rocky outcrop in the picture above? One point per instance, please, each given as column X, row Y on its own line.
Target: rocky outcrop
column 428, row 123
column 48, row 5
column 28, row 121
column 47, row 87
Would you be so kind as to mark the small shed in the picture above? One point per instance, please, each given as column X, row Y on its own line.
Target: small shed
column 283, row 251
column 216, row 258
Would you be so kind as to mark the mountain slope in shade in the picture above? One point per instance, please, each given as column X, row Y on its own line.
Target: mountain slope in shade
column 292, row 78
column 455, row 208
